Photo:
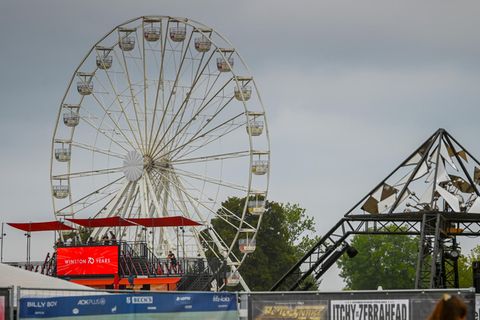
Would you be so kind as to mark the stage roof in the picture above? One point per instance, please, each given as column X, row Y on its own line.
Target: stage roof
column 102, row 222
column 40, row 226
column 176, row 221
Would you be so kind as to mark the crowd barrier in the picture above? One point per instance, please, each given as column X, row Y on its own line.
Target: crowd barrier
column 70, row 304
column 348, row 305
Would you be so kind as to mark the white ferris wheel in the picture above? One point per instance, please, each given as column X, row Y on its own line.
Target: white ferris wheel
column 163, row 118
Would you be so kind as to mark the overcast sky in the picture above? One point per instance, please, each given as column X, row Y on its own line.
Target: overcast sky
column 350, row 89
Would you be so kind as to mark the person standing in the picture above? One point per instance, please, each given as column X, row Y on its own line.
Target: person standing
column 173, row 262
column 113, row 238
column 105, row 239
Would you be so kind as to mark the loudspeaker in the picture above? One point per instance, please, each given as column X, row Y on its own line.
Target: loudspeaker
column 476, row 275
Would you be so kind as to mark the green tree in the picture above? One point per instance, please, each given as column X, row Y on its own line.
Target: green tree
column 465, row 273
column 383, row 260
column 285, row 234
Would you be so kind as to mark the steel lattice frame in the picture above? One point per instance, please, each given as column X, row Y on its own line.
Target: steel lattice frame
column 421, row 197
column 164, row 119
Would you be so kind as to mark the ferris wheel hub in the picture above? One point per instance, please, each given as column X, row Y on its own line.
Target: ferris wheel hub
column 133, row 166
column 164, row 163
column 147, row 162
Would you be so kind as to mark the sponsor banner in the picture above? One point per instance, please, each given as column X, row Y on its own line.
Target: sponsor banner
column 92, row 260
column 370, row 309
column 351, row 305
column 288, row 307
column 171, row 305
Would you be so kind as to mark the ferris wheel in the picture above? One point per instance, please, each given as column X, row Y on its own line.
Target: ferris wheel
column 163, row 118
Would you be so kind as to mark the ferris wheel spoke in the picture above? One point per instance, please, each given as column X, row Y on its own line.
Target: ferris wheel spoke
column 214, row 157
column 97, row 129
column 183, row 106
column 160, row 83
column 95, row 149
column 212, row 139
column 167, row 194
column 145, row 86
column 187, row 213
column 166, row 108
column 112, row 206
column 115, row 123
column 210, row 180
column 83, row 174
column 195, row 203
column 155, row 194
column 208, row 92
column 176, row 151
column 97, row 191
column 86, row 205
column 132, row 96
column 156, row 144
column 230, row 214
column 167, row 144
column 120, row 104
column 175, row 181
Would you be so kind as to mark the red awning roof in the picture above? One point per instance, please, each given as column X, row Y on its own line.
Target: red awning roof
column 102, row 222
column 176, row 221
column 41, row 226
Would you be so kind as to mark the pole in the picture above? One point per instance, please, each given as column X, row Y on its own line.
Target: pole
column 183, row 242
column 177, row 241
column 153, row 240
column 28, row 248
column 1, row 245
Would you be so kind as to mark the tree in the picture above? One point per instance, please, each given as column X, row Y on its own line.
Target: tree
column 465, row 272
column 285, row 234
column 383, row 260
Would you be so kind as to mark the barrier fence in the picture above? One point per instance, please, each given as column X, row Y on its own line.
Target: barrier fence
column 72, row 304
column 352, row 305
column 348, row 305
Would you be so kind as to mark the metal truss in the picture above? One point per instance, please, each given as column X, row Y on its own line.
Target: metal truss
column 421, row 197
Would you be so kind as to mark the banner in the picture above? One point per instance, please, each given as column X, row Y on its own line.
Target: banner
column 288, row 307
column 5, row 307
column 92, row 260
column 370, row 309
column 350, row 305
column 205, row 305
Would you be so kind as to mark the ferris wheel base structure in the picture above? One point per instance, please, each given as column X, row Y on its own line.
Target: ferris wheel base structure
column 433, row 194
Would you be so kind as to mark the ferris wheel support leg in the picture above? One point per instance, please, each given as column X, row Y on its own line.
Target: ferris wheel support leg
column 186, row 213
column 114, row 204
column 156, row 204
column 126, row 205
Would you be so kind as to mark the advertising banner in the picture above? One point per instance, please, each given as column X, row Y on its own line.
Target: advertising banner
column 370, row 309
column 381, row 305
column 5, row 313
column 288, row 307
column 92, row 260
column 205, row 305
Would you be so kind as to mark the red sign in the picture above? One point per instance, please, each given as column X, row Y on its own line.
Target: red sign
column 87, row 260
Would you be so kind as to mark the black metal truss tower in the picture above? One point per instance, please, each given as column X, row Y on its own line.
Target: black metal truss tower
column 433, row 194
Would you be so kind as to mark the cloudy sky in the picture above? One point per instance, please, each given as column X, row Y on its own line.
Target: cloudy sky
column 350, row 88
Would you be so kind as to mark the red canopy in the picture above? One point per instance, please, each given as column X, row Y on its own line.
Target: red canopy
column 41, row 226
column 102, row 222
column 176, row 221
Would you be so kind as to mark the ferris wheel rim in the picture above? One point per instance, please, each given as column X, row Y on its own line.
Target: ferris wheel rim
column 191, row 23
